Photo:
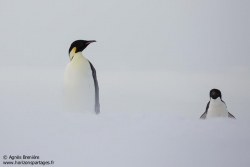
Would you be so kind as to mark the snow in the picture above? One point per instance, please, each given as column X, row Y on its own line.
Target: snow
column 33, row 122
column 122, row 139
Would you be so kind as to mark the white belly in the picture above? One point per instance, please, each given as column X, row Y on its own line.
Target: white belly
column 216, row 109
column 78, row 86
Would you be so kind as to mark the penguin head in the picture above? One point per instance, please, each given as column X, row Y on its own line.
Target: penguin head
column 78, row 46
column 215, row 93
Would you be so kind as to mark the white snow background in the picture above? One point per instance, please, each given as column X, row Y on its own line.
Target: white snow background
column 156, row 62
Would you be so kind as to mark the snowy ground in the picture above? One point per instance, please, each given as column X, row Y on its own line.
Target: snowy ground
column 127, row 140
column 133, row 129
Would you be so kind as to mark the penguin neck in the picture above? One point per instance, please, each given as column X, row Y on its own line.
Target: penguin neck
column 216, row 101
column 78, row 56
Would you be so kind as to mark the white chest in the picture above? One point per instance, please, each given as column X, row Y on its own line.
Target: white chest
column 78, row 84
column 78, row 72
column 216, row 109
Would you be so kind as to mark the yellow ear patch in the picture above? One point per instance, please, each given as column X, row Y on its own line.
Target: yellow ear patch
column 72, row 52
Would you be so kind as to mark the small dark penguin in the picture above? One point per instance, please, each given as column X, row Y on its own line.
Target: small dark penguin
column 216, row 107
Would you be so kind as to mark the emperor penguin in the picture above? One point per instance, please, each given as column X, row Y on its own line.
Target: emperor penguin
column 216, row 107
column 80, row 85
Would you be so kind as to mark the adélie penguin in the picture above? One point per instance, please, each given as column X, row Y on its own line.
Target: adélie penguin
column 216, row 107
column 80, row 85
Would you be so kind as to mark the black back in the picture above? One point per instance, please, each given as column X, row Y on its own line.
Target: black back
column 97, row 103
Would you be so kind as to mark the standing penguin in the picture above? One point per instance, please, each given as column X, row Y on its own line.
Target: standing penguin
column 216, row 107
column 80, row 85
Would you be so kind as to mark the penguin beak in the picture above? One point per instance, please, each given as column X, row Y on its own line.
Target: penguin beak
column 89, row 42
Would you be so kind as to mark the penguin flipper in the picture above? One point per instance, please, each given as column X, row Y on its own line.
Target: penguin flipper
column 231, row 115
column 203, row 116
column 224, row 103
column 97, row 103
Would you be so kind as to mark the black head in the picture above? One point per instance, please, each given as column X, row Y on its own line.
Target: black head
column 215, row 93
column 79, row 45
